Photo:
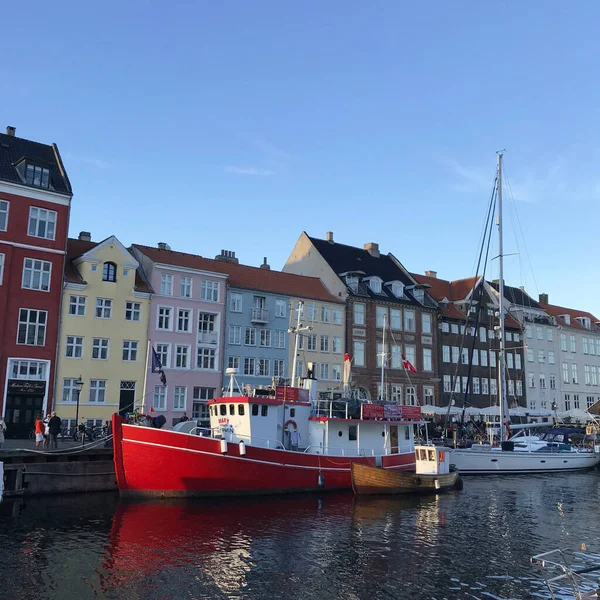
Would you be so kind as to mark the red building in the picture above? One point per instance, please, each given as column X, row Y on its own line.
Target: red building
column 35, row 198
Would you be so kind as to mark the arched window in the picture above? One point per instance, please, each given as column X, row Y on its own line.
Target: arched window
column 375, row 284
column 109, row 272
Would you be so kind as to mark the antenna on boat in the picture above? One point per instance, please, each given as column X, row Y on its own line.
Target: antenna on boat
column 296, row 330
column 232, row 372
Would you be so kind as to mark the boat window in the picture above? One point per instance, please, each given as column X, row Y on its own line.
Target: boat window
column 559, row 438
column 210, row 410
column 432, row 455
column 232, row 409
column 223, row 409
column 407, row 433
column 241, row 410
column 264, row 410
column 422, row 454
column 340, row 434
column 255, row 410
column 292, row 412
column 352, row 433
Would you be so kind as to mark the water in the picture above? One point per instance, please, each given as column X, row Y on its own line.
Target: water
column 473, row 544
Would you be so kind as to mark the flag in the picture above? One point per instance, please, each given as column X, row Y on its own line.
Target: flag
column 408, row 365
column 158, row 368
column 152, row 409
column 346, row 357
column 347, row 374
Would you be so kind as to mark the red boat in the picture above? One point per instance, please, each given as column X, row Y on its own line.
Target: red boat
column 264, row 444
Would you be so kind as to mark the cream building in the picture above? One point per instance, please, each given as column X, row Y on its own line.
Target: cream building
column 102, row 332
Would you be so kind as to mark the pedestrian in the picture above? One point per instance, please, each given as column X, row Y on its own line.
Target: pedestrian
column 2, row 430
column 295, row 439
column 47, row 431
column 54, row 427
column 184, row 418
column 39, row 432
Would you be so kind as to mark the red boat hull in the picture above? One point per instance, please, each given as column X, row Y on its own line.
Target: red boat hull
column 156, row 462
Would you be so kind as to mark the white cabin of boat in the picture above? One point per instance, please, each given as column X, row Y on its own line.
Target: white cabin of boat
column 432, row 460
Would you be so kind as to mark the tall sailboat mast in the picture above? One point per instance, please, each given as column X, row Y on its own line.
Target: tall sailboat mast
column 383, row 356
column 501, row 358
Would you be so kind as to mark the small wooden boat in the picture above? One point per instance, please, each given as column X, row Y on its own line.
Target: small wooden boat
column 432, row 475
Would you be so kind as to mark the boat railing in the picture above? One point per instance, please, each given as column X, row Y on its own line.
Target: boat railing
column 330, row 408
column 264, row 442
column 218, row 433
column 313, row 449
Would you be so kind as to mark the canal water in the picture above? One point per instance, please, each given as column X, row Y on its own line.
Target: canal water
column 473, row 544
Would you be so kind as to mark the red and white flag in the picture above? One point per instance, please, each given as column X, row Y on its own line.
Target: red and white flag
column 408, row 365
column 347, row 357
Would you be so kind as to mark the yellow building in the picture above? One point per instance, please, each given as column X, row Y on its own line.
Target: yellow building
column 102, row 332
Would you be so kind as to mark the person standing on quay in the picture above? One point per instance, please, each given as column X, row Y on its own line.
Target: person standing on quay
column 2, row 430
column 39, row 433
column 54, row 427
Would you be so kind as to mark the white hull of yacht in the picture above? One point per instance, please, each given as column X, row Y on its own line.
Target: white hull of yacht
column 491, row 461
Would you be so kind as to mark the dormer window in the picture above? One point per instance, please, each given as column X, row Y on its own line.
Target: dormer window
column 587, row 323
column 567, row 319
column 38, row 176
column 109, row 272
column 352, row 282
column 397, row 289
column 375, row 285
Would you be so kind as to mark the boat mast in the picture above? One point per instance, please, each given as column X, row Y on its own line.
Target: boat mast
column 501, row 358
column 296, row 330
column 383, row 360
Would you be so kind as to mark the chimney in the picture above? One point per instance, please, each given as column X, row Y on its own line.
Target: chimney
column 85, row 236
column 11, row 131
column 163, row 246
column 372, row 248
column 543, row 298
column 432, row 274
column 265, row 265
column 228, row 256
column 329, row 237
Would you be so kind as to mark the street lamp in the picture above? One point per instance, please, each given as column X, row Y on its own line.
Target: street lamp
column 78, row 387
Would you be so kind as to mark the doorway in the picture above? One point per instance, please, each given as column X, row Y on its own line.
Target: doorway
column 393, row 439
column 21, row 413
column 126, row 397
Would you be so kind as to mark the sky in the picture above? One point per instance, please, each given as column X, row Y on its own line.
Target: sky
column 239, row 124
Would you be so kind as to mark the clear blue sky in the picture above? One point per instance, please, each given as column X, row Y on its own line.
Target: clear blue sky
column 237, row 125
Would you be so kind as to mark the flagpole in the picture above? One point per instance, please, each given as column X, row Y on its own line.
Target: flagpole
column 145, row 376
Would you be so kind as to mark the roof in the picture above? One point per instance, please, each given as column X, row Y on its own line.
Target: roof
column 452, row 290
column 14, row 149
column 516, row 295
column 350, row 259
column 76, row 248
column 558, row 311
column 244, row 276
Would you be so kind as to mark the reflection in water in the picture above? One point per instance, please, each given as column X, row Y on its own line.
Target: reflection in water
column 472, row 544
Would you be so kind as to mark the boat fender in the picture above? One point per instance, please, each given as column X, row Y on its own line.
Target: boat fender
column 242, row 448
column 223, row 446
column 321, row 480
column 290, row 422
column 459, row 483
column 418, row 481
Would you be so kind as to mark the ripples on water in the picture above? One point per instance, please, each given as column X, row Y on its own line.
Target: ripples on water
column 473, row 544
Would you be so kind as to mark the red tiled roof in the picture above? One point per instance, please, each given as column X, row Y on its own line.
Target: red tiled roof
column 452, row 290
column 246, row 277
column 558, row 311
column 75, row 248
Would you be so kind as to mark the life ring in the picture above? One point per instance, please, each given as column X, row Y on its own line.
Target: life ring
column 290, row 422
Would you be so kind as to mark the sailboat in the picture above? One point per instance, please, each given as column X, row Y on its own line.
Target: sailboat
column 513, row 457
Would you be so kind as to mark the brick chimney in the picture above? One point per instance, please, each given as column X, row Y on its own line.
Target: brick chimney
column 11, row 130
column 329, row 237
column 543, row 298
column 432, row 274
column 85, row 236
column 265, row 265
column 372, row 248
column 227, row 256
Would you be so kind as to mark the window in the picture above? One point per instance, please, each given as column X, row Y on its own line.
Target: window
column 325, row 314
column 336, row 372
column 508, row 336
column 336, row 346
column 552, row 382
column 32, row 327
column 475, row 357
column 493, row 363
column 299, row 368
column 359, row 354
column 337, row 316
column 206, row 323
column 529, row 331
column 3, row 215
column 74, row 346
column 132, row 311
column 574, row 375
column 159, row 400
column 511, row 387
column 517, row 360
column 396, row 394
column 185, row 288
column 565, row 372
column 409, row 320
column 584, row 343
column 179, row 397
column 455, row 354
column 541, row 356
column 311, row 312
column 563, row 342
column 324, row 371
column 375, row 285
column 485, row 386
column 519, row 387
column 250, row 336
column 233, row 362
column 166, row 284
column 235, row 335
column 446, row 354
column 411, row 396
column 476, row 385
column 130, row 350
column 265, row 338
column 464, row 358
column 163, row 352
column 1, row 268
column 311, row 342
column 182, row 357
column 103, row 308
column 572, row 343
column 484, row 358
column 531, row 379
column 465, row 382
column 69, row 391
column 447, row 383
column 278, row 368
column 264, row 410
column 109, row 272
column 397, row 289
column 529, row 355
column 235, row 302
column 206, row 358
column 539, row 332
column 549, row 334
column 493, row 387
column 427, row 360
column 281, row 306
column 454, row 328
column 396, row 318
column 542, row 381
column 380, row 316
column 381, row 354
column 575, row 400
column 516, row 337
column 590, row 401
column 594, row 375
column 425, row 323
column 445, row 327
column 249, row 365
column 586, row 375
column 279, row 341
column 38, row 176
column 324, row 343
column 352, row 282
column 97, row 391
column 551, row 357
column 411, row 355
column 36, row 274
column 164, row 318
column 359, row 314
column 42, row 223
column 592, row 340
column 100, row 349
column 567, row 401
column 210, row 290
column 482, row 334
column 428, row 394
column 184, row 321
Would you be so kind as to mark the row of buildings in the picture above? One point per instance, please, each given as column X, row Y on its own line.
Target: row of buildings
column 80, row 315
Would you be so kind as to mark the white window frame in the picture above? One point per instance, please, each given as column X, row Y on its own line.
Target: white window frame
column 134, row 309
column 166, row 284
column 182, row 351
column 280, row 308
column 185, row 287
column 178, row 395
column 75, row 342
column 42, row 215
column 101, row 348
column 36, row 325
column 33, row 267
column 234, row 299
column 426, row 323
column 97, row 391
column 163, row 349
column 234, row 335
column 209, row 290
column 190, row 318
column 130, row 347
column 159, row 397
column 359, row 313
column 4, row 210
column 103, row 305
column 409, row 321
column 165, row 315
column 206, row 354
column 250, row 336
column 337, row 316
column 77, row 304
column 359, row 353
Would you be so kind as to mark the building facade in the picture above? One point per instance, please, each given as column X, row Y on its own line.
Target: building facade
column 379, row 295
column 104, row 320
column 35, row 199
column 186, row 328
